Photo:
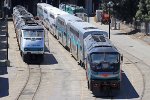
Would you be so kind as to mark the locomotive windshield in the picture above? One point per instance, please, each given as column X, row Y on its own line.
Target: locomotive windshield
column 108, row 62
column 106, row 57
column 33, row 33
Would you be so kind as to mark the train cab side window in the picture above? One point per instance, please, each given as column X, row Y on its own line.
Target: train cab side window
column 80, row 48
column 65, row 34
column 60, row 22
column 52, row 16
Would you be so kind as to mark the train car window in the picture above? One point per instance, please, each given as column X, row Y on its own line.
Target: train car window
column 26, row 33
column 65, row 34
column 52, row 16
column 80, row 48
column 45, row 11
column 60, row 22
column 39, row 33
column 74, row 32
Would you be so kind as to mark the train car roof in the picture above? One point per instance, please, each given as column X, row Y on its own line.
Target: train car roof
column 104, row 50
column 44, row 4
column 55, row 11
column 68, row 17
column 32, row 27
column 84, row 27
column 99, row 43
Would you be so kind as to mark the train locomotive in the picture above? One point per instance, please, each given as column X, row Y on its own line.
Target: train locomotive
column 103, row 63
column 30, row 35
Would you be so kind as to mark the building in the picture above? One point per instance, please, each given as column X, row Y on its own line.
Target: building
column 89, row 5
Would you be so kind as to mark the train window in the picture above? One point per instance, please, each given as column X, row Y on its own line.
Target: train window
column 65, row 34
column 45, row 11
column 26, row 33
column 33, row 33
column 52, row 16
column 39, row 33
column 80, row 48
column 74, row 32
column 108, row 57
column 61, row 22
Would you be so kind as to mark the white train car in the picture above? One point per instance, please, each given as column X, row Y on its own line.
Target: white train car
column 30, row 35
column 49, row 14
column 61, row 24
column 53, row 14
column 40, row 10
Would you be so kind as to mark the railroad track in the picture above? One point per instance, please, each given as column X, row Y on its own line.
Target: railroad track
column 32, row 84
column 138, row 63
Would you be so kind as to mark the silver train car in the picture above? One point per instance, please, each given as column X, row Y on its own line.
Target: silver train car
column 30, row 35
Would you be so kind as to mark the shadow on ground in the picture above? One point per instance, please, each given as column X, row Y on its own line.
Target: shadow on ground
column 4, row 87
column 49, row 59
column 127, row 91
column 128, row 33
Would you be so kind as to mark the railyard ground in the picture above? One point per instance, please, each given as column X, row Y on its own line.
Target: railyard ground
column 64, row 79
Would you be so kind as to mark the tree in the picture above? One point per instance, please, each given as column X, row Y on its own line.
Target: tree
column 125, row 9
column 143, row 12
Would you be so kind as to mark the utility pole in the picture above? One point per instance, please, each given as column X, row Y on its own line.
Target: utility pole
column 109, row 19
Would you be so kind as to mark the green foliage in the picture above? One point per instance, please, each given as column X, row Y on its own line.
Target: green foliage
column 143, row 12
column 126, row 9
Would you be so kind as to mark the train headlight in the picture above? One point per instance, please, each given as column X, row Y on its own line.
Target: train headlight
column 25, row 49
column 41, row 49
column 93, row 67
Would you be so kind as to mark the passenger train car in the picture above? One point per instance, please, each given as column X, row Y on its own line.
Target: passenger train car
column 49, row 14
column 103, row 63
column 61, row 25
column 30, row 35
column 90, row 47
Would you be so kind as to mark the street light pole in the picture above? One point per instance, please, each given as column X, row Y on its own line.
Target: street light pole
column 88, row 12
column 109, row 19
column 109, row 4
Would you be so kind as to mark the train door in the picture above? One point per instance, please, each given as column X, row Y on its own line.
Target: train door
column 60, row 35
column 45, row 17
column 65, row 36
column 53, row 25
column 21, row 40
column 51, row 17
column 80, row 53
column 69, row 43
column 74, row 48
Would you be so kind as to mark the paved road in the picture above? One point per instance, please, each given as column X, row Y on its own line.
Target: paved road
column 63, row 79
